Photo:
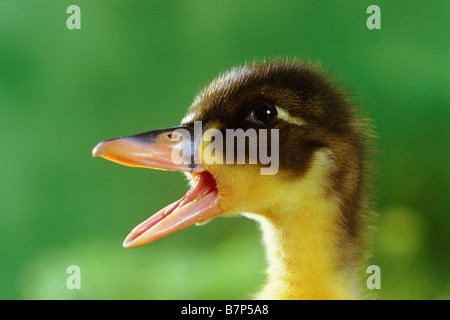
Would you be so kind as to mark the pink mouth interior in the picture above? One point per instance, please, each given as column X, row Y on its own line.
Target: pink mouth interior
column 200, row 195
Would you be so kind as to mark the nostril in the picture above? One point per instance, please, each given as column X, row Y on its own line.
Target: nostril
column 173, row 136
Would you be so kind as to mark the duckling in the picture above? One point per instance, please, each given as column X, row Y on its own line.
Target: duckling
column 313, row 211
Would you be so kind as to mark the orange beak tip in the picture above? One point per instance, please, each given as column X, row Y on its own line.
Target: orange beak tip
column 98, row 150
column 127, row 244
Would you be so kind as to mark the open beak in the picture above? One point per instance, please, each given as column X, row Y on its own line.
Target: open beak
column 172, row 149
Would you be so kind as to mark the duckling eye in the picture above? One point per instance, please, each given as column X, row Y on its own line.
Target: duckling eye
column 263, row 115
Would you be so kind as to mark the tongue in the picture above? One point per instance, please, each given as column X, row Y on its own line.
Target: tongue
column 199, row 204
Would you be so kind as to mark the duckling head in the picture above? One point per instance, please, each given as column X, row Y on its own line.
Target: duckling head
column 305, row 171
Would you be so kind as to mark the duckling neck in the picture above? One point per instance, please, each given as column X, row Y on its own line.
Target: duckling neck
column 307, row 257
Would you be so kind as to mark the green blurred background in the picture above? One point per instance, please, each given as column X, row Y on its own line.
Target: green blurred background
column 136, row 66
